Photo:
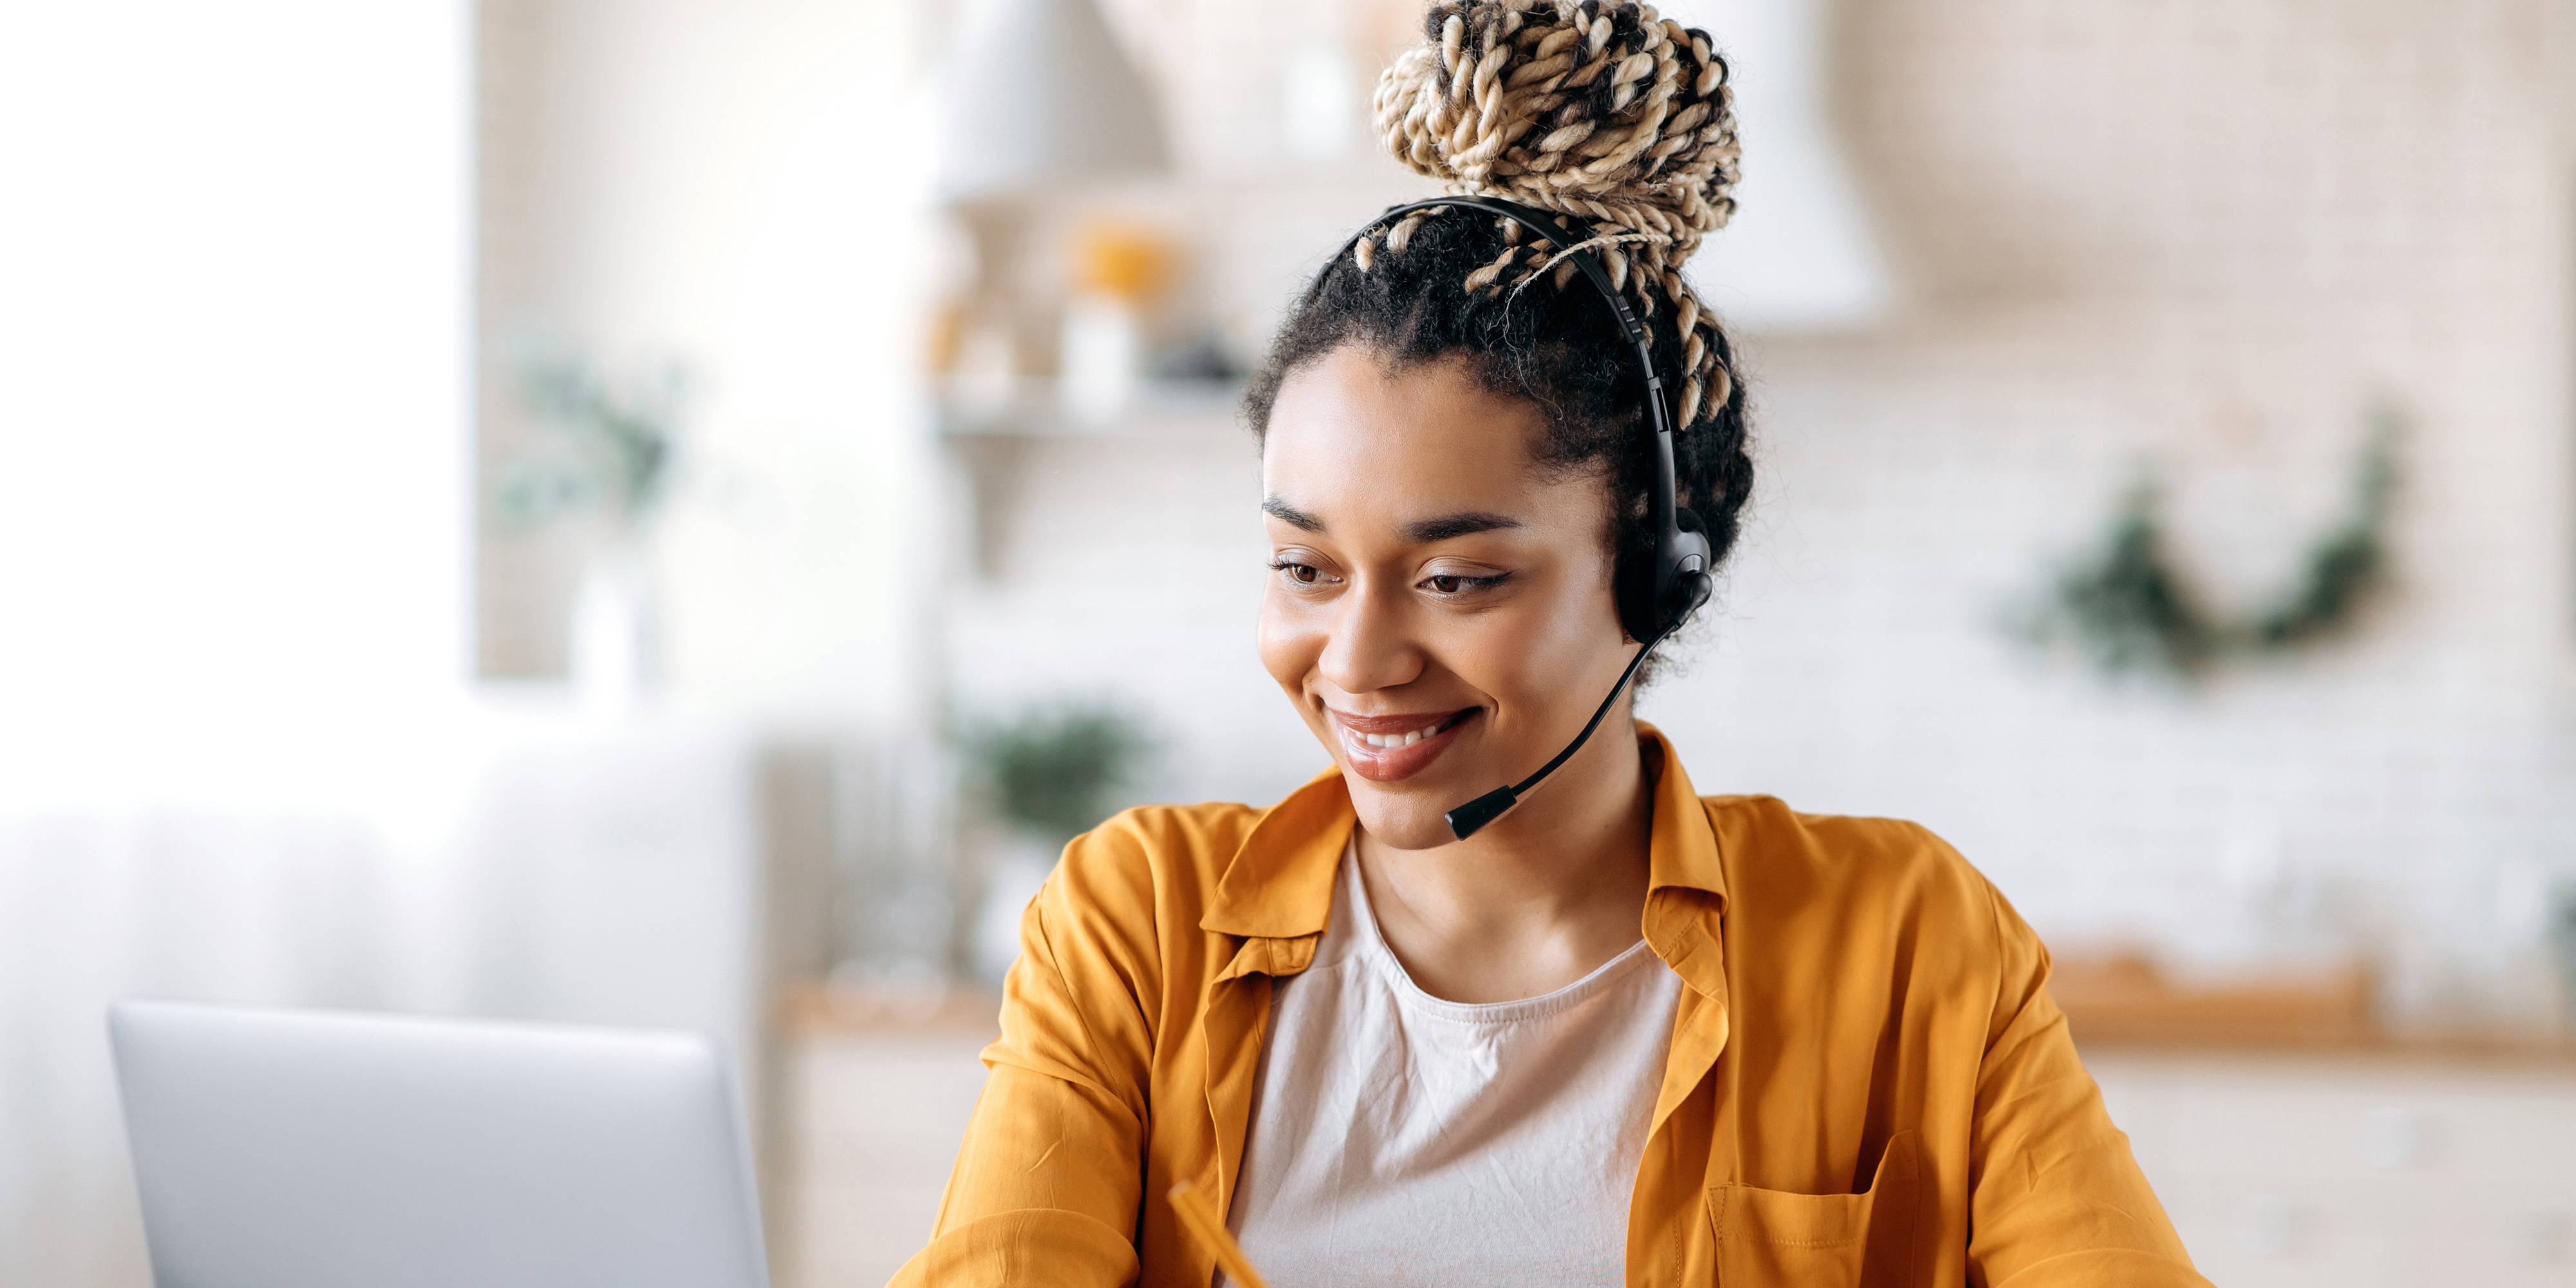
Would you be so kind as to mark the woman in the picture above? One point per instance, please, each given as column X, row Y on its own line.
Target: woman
column 1625, row 1033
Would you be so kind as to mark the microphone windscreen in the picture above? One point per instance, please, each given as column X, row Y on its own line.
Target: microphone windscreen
column 1466, row 819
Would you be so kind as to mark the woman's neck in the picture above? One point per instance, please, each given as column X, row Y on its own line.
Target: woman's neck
column 1536, row 900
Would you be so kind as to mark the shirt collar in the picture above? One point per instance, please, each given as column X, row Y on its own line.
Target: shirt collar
column 1279, row 884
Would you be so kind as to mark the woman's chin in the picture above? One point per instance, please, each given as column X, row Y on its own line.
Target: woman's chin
column 1410, row 818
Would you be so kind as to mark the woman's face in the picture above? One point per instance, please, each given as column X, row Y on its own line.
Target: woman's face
column 1439, row 607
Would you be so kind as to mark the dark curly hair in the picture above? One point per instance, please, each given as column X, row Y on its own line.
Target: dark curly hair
column 1617, row 121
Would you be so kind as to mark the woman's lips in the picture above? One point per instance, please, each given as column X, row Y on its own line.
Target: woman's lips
column 1387, row 764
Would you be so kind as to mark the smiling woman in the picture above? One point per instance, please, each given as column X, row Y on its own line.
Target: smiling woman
column 1627, row 1033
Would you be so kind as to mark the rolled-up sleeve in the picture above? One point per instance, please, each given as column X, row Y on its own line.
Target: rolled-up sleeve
column 1047, row 1183
column 2055, row 1196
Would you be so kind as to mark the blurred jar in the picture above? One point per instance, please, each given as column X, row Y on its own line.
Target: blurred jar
column 1119, row 273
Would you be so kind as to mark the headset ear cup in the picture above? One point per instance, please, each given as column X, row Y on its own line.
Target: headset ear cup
column 1694, row 590
column 1691, row 581
column 1634, row 585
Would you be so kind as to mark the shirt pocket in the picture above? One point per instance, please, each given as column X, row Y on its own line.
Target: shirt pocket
column 1864, row 1240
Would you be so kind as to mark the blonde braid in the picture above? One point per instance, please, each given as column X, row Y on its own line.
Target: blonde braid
column 1601, row 110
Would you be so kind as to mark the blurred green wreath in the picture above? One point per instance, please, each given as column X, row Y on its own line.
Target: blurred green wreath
column 2129, row 610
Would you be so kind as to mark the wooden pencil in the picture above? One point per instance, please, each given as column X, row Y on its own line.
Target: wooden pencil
column 1200, row 1218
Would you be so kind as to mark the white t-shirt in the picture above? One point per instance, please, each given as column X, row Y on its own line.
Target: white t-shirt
column 1397, row 1138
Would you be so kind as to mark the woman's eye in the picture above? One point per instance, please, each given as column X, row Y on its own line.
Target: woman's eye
column 1458, row 583
column 1297, row 573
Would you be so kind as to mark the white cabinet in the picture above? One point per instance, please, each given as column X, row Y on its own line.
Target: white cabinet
column 877, row 1118
column 2355, row 1170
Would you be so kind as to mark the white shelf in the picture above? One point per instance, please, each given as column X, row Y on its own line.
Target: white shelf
column 1038, row 409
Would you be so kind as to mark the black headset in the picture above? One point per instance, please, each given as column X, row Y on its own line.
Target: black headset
column 1656, row 593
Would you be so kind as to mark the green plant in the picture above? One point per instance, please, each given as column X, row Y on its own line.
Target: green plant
column 1053, row 769
column 2131, row 610
column 608, row 450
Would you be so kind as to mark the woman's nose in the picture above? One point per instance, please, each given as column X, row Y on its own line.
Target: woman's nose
column 1370, row 644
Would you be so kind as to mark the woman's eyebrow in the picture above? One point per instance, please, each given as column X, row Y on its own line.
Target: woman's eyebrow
column 1422, row 531
column 1286, row 513
column 1457, row 525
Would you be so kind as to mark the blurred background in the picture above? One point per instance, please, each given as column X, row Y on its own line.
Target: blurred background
column 670, row 511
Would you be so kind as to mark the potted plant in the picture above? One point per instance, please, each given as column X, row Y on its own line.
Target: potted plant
column 1044, row 775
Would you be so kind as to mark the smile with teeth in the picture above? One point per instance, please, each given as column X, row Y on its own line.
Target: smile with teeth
column 1387, row 756
column 1418, row 733
column 1413, row 736
column 1389, row 751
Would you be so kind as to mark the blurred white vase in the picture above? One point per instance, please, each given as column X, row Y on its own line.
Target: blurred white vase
column 1103, row 353
column 616, row 630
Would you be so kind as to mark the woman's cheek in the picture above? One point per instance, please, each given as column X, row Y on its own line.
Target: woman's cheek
column 1532, row 654
column 1288, row 644
column 1495, row 660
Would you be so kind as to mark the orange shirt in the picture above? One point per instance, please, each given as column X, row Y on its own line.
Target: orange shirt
column 1867, row 1084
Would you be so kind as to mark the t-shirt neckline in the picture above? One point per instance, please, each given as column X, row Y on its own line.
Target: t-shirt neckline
column 1380, row 956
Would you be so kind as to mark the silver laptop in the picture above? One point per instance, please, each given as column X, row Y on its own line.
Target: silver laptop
column 315, row 1149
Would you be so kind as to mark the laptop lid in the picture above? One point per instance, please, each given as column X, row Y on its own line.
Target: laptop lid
column 316, row 1149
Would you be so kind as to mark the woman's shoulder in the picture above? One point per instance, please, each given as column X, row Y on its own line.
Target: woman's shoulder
column 1119, row 915
column 1153, row 861
column 1186, row 840
column 1777, row 858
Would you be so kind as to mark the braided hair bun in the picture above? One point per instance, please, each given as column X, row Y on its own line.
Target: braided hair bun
column 1604, row 110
